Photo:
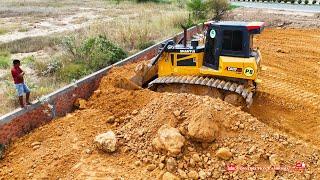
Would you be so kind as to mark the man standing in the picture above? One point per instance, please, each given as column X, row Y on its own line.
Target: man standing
column 21, row 88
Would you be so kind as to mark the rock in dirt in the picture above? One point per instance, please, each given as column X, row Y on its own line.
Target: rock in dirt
column 193, row 174
column 171, row 164
column 151, row 167
column 169, row 176
column 106, row 141
column 36, row 147
column 202, row 128
column 274, row 160
column 177, row 113
column 36, row 143
column 202, row 175
column 169, row 139
column 135, row 112
column 182, row 174
column 111, row 119
column 80, row 103
column 224, row 153
column 196, row 157
column 161, row 165
column 137, row 163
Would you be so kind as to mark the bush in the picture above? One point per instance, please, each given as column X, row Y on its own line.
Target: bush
column 95, row 52
column 72, row 72
column 4, row 60
column 219, row 7
column 198, row 9
column 299, row 1
column 314, row 2
column 293, row 1
column 99, row 52
column 306, row 1
column 51, row 68
column 29, row 60
column 181, row 4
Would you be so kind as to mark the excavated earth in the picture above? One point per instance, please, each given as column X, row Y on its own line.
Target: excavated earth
column 280, row 129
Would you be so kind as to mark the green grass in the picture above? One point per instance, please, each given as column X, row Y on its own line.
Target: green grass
column 4, row 60
column 73, row 72
column 231, row 7
column 29, row 60
column 3, row 31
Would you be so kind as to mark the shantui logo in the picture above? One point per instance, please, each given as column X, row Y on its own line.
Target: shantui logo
column 187, row 51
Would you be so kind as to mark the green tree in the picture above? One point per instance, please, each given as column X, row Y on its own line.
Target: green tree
column 198, row 9
column 219, row 7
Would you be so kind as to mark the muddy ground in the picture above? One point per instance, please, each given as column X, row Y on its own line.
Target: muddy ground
column 279, row 130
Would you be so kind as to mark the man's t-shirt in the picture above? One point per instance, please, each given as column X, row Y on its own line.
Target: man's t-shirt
column 16, row 71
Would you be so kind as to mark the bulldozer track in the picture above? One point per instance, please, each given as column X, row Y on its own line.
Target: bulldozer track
column 293, row 80
column 291, row 91
column 229, row 86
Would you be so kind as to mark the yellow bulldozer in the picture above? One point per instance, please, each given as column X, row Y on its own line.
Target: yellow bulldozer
column 221, row 63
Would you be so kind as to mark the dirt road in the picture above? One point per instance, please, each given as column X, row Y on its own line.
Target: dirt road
column 282, row 126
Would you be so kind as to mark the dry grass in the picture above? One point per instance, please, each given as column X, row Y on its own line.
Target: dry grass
column 142, row 23
column 29, row 44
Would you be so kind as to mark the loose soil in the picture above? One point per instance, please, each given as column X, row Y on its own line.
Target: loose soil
column 280, row 129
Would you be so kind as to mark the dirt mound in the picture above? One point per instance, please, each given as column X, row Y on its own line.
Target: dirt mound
column 230, row 144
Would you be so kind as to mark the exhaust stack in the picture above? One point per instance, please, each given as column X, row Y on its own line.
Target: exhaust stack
column 185, row 34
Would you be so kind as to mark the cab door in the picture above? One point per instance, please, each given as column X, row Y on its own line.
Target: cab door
column 212, row 48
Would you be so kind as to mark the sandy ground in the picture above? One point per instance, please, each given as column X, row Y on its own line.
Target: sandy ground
column 45, row 27
column 280, row 129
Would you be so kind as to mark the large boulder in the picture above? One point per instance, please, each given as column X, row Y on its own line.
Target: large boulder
column 106, row 142
column 224, row 153
column 202, row 127
column 169, row 139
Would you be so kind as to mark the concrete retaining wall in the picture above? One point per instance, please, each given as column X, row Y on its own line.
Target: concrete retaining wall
column 60, row 102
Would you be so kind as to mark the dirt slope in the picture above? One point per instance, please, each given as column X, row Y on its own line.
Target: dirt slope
column 289, row 96
column 281, row 129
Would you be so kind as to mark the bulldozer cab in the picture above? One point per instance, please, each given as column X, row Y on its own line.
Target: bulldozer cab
column 233, row 39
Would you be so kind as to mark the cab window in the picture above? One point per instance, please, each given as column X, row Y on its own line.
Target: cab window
column 232, row 40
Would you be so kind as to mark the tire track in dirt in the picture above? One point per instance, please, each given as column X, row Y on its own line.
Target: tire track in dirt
column 288, row 98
